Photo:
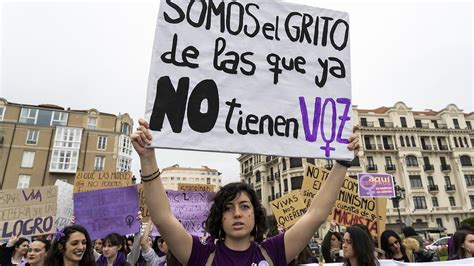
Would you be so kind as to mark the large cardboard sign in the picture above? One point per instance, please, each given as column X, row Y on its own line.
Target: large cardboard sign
column 251, row 76
column 27, row 211
column 106, row 211
column 191, row 209
column 196, row 187
column 86, row 181
column 376, row 185
column 288, row 209
column 349, row 208
column 65, row 210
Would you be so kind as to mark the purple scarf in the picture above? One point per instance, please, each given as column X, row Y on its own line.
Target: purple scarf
column 121, row 258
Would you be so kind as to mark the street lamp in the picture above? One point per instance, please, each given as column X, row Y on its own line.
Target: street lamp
column 399, row 195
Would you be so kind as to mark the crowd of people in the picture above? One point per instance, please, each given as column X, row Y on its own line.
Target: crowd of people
column 236, row 225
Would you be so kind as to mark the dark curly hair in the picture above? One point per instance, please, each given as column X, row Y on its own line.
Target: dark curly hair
column 55, row 253
column 226, row 194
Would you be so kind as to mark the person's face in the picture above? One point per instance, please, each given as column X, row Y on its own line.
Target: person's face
column 347, row 246
column 130, row 244
column 22, row 248
column 394, row 244
column 162, row 246
column 110, row 251
column 98, row 245
column 468, row 245
column 335, row 243
column 75, row 247
column 238, row 219
column 36, row 252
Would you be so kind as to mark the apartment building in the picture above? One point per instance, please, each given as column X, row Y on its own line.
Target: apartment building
column 40, row 144
column 173, row 175
column 429, row 153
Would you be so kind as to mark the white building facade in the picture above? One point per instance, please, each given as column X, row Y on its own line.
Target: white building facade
column 173, row 175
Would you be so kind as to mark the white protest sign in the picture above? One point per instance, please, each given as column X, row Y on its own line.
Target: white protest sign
column 65, row 210
column 264, row 77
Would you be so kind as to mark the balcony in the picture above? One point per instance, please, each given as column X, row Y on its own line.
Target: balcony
column 390, row 168
column 450, row 188
column 426, row 147
column 433, row 188
column 271, row 197
column 369, row 147
column 270, row 179
column 371, row 168
column 277, row 195
column 388, row 147
column 445, row 167
column 276, row 176
column 443, row 147
column 428, row 167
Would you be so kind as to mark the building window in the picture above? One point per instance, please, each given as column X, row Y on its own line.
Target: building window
column 415, row 181
column 125, row 129
column 435, row 123
column 125, row 147
column 28, row 159
column 296, row 162
column 28, row 116
column 468, row 124
column 2, row 112
column 403, row 121
column 388, row 161
column 469, row 180
column 413, row 143
column 99, row 163
column 430, row 181
column 434, row 200
column 283, row 163
column 32, row 137
column 381, row 122
column 355, row 161
column 407, row 140
column 418, row 123
column 439, row 222
column 123, row 164
column 456, row 142
column 447, row 180
column 456, row 123
column 452, row 202
column 363, row 121
column 23, row 181
column 296, row 182
column 419, row 202
column 402, row 141
column 64, row 161
column 285, row 185
column 471, row 198
column 457, row 223
column 102, row 143
column 92, row 122
column 310, row 160
column 258, row 177
column 466, row 160
column 411, row 160
column 59, row 118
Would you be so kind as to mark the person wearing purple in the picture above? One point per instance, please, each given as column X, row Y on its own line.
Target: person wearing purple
column 236, row 220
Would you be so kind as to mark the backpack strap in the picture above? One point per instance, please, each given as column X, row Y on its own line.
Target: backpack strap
column 265, row 255
column 210, row 258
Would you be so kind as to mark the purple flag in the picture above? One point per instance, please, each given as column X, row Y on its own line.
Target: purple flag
column 106, row 211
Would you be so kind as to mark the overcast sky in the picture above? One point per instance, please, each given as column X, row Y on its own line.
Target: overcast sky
column 96, row 54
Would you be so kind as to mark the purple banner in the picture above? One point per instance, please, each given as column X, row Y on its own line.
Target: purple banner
column 190, row 208
column 106, row 211
column 376, row 185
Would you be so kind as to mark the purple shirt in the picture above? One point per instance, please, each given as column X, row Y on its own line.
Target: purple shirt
column 275, row 247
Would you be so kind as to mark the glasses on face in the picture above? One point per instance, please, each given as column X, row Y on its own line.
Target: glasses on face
column 396, row 242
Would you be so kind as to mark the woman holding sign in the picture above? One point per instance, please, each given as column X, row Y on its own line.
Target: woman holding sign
column 236, row 217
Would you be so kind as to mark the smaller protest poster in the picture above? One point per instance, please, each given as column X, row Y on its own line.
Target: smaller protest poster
column 376, row 185
column 141, row 202
column 65, row 210
column 86, row 181
column 105, row 211
column 196, row 187
column 27, row 211
column 288, row 209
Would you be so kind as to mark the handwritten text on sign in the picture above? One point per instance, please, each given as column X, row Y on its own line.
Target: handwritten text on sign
column 65, row 209
column 349, row 208
column 86, row 181
column 106, row 211
column 264, row 77
column 288, row 209
column 27, row 211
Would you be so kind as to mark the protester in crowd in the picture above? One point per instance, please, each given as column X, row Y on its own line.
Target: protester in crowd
column 306, row 257
column 358, row 248
column 236, row 217
column 37, row 252
column 155, row 252
column 98, row 245
column 463, row 241
column 71, row 246
column 113, row 251
column 392, row 245
column 417, row 254
column 451, row 250
column 332, row 245
column 14, row 251
column 379, row 253
column 409, row 231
